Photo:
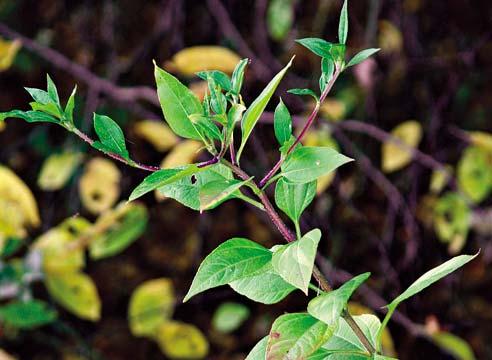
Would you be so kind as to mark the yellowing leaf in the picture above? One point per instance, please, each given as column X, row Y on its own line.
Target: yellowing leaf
column 440, row 178
column 333, row 109
column 390, row 37
column 8, row 51
column 178, row 340
column 453, row 344
column 475, row 173
column 57, row 169
column 200, row 58
column 322, row 137
column 76, row 292
column 99, row 185
column 481, row 139
column 151, row 305
column 157, row 133
column 59, row 248
column 18, row 208
column 3, row 124
column 394, row 157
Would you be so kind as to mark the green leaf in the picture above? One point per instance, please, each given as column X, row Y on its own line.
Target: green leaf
column 215, row 193
column 429, row 278
column 293, row 198
column 282, row 123
column 266, row 286
column 280, row 15
column 39, row 95
column 361, row 56
column 126, row 227
column 453, row 345
column 234, row 116
column 151, row 304
column 219, row 77
column 328, row 307
column 475, row 173
column 344, row 339
column 163, row 177
column 303, row 92
column 52, row 91
column 187, row 189
column 110, row 135
column 70, row 106
column 27, row 315
column 296, row 336
column 177, row 103
column 306, row 164
column 29, row 116
column 294, row 262
column 343, row 24
column 206, row 127
column 10, row 247
column 259, row 351
column 50, row 108
column 229, row 317
column 252, row 115
column 320, row 47
column 238, row 76
column 452, row 220
column 232, row 260
column 76, row 292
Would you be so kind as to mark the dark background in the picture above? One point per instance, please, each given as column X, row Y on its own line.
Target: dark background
column 441, row 77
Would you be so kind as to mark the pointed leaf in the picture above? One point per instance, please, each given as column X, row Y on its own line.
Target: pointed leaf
column 252, row 115
column 29, row 116
column 361, row 56
column 110, row 135
column 282, row 123
column 294, row 262
column 259, row 351
column 294, row 198
column 303, row 92
column 238, row 76
column 343, row 24
column 215, row 193
column 234, row 259
column 320, row 47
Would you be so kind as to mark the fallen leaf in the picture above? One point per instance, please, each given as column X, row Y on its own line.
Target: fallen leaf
column 390, row 38
column 157, row 133
column 8, row 51
column 57, row 169
column 179, row 340
column 394, row 157
column 99, row 185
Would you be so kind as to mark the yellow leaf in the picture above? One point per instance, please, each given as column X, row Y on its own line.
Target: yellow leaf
column 475, row 173
column 157, row 133
column 58, row 247
column 179, row 340
column 99, row 185
column 3, row 124
column 440, row 178
column 76, row 292
column 453, row 344
column 333, row 109
column 200, row 58
column 18, row 208
column 151, row 305
column 390, row 37
column 322, row 137
column 57, row 169
column 394, row 156
column 8, row 51
column 481, row 139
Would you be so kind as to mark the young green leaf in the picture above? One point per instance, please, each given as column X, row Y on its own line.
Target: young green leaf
column 328, row 307
column 429, row 278
column 282, row 123
column 215, row 193
column 110, row 135
column 265, row 286
column 361, row 56
column 343, row 24
column 52, row 91
column 27, row 315
column 296, row 336
column 163, row 177
column 219, row 77
column 232, row 260
column 294, row 262
column 345, row 341
column 39, row 95
column 177, row 103
column 306, row 164
column 29, row 116
column 234, row 116
column 238, row 76
column 320, row 47
column 70, row 106
column 302, row 92
column 206, row 127
column 294, row 198
column 280, row 15
column 252, row 115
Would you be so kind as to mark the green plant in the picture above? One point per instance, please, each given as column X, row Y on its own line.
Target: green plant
column 263, row 275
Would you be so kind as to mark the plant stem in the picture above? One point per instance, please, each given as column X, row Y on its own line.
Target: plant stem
column 309, row 122
column 356, row 329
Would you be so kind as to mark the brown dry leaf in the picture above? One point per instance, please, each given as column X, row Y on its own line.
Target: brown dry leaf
column 57, row 169
column 179, row 340
column 199, row 88
column 200, row 58
column 322, row 137
column 157, row 133
column 18, row 208
column 99, row 187
column 394, row 157
column 390, row 37
column 8, row 51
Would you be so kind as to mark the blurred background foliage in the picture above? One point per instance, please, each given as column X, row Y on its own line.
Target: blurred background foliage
column 86, row 276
